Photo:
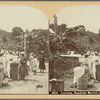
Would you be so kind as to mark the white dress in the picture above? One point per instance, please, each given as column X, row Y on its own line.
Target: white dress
column 78, row 72
column 35, row 64
column 9, row 57
column 94, row 63
column 31, row 63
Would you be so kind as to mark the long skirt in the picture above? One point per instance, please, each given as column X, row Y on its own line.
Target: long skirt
column 23, row 70
column 41, row 65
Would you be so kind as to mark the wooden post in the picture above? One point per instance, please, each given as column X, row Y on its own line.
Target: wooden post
column 25, row 42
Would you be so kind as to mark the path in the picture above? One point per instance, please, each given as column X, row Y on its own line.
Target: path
column 30, row 85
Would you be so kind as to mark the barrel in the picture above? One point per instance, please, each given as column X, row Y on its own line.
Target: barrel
column 14, row 71
column 60, row 85
column 1, row 76
column 57, row 85
column 1, row 81
column 98, row 72
column 82, row 82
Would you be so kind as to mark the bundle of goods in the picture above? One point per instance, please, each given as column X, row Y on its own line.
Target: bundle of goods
column 82, row 82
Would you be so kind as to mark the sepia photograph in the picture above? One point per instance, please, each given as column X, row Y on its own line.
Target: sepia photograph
column 75, row 49
column 49, row 49
column 23, row 50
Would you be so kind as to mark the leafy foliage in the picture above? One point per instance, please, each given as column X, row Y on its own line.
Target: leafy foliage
column 17, row 31
column 74, row 38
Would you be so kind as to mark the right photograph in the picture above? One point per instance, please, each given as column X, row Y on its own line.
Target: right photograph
column 74, row 41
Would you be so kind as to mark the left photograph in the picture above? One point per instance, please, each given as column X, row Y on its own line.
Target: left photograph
column 24, row 39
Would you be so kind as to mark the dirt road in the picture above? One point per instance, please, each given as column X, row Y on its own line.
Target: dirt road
column 30, row 85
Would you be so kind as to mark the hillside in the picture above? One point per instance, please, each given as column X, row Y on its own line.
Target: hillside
column 89, row 41
column 78, row 37
column 37, row 38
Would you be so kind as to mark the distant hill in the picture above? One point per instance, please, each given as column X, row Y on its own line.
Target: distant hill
column 37, row 38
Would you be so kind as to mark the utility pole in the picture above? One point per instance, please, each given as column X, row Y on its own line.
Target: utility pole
column 24, row 41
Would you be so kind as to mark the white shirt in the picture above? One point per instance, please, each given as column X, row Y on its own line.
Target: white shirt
column 15, row 58
column 9, row 57
column 35, row 61
column 95, row 58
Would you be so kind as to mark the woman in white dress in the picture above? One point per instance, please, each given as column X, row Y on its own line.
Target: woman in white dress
column 9, row 60
column 35, row 65
column 31, row 62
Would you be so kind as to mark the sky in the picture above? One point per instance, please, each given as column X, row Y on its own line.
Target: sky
column 27, row 18
column 87, row 15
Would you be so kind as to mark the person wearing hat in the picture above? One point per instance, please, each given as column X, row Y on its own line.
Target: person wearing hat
column 23, row 66
column 95, row 60
column 42, row 62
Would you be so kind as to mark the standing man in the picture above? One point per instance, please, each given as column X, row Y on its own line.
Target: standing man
column 95, row 60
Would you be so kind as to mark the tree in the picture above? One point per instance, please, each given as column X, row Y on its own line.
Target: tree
column 38, row 43
column 99, row 33
column 61, row 28
column 91, row 40
column 52, row 27
column 4, row 38
column 17, row 31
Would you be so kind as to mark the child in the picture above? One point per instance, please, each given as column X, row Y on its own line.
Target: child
column 35, row 65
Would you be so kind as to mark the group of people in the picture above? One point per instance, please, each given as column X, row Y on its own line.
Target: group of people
column 88, row 63
column 25, row 64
